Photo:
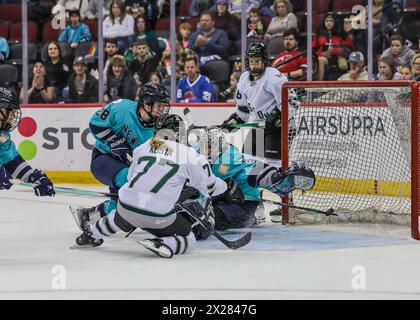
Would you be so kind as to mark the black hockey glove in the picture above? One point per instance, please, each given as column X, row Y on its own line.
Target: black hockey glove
column 42, row 185
column 273, row 120
column 233, row 194
column 233, row 119
column 119, row 149
column 4, row 179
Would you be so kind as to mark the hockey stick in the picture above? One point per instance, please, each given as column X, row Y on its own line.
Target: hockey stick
column 187, row 114
column 329, row 212
column 234, row 244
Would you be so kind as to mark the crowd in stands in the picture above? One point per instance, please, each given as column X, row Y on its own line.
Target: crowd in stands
column 64, row 66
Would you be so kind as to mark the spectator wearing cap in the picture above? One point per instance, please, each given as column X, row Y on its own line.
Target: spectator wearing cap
column 415, row 67
column 4, row 50
column 144, row 63
column 211, row 45
column 357, row 69
column 75, row 33
column 120, row 82
column 119, row 25
column 83, row 87
column 226, row 21
column 41, row 90
column 295, row 68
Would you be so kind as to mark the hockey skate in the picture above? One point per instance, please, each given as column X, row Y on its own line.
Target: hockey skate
column 157, row 246
column 81, row 215
column 85, row 240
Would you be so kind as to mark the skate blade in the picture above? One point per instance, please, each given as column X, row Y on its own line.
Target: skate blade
column 75, row 213
column 159, row 252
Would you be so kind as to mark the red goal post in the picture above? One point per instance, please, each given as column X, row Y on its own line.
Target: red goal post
column 362, row 140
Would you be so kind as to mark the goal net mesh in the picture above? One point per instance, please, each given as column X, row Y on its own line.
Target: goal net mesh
column 358, row 142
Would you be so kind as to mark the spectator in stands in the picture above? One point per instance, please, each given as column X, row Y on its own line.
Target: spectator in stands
column 83, row 87
column 57, row 69
column 386, row 69
column 296, row 68
column 198, row 6
column 147, row 8
column 185, row 30
column 399, row 51
column 69, row 5
column 120, row 82
column 92, row 12
column 229, row 94
column 119, row 25
column 111, row 49
column 155, row 77
column 415, row 67
column 332, row 45
column 75, row 33
column 211, row 46
column 194, row 87
column 405, row 72
column 4, row 50
column 143, row 31
column 41, row 90
column 236, row 7
column 255, row 27
column 285, row 19
column 226, row 21
column 145, row 62
column 357, row 68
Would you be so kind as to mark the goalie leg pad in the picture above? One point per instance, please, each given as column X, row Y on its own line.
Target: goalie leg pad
column 235, row 216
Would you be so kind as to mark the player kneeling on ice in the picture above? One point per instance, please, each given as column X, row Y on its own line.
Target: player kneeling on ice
column 120, row 127
column 241, row 205
column 11, row 162
column 156, row 177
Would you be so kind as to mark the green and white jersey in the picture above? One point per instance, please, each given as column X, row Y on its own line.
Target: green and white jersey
column 157, row 177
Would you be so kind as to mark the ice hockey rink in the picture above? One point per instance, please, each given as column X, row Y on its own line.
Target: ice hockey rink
column 340, row 261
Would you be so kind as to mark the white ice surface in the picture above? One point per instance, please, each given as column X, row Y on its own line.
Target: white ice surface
column 281, row 262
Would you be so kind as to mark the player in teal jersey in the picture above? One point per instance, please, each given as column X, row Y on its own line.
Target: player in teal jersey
column 11, row 162
column 120, row 127
column 240, row 205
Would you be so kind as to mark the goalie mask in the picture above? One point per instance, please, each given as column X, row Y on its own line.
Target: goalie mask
column 10, row 112
column 256, row 49
column 212, row 144
column 171, row 127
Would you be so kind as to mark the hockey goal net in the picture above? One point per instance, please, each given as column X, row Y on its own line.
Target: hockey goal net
column 361, row 138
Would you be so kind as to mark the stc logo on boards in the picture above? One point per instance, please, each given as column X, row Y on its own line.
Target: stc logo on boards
column 53, row 138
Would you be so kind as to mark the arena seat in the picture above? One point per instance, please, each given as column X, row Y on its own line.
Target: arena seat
column 16, row 31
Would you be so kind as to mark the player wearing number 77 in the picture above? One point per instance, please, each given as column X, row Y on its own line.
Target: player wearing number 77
column 119, row 128
column 156, row 177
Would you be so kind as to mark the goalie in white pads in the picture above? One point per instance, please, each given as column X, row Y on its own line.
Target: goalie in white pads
column 158, row 173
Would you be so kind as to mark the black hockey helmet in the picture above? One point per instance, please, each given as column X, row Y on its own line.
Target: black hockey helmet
column 10, row 112
column 256, row 49
column 150, row 93
column 168, row 125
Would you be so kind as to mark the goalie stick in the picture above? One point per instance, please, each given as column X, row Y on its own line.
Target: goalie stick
column 231, row 244
column 329, row 212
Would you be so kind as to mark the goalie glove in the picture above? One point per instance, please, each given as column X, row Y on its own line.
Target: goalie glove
column 42, row 185
column 233, row 194
column 4, row 179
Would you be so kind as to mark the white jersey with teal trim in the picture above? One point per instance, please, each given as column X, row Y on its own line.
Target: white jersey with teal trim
column 257, row 99
column 157, row 177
